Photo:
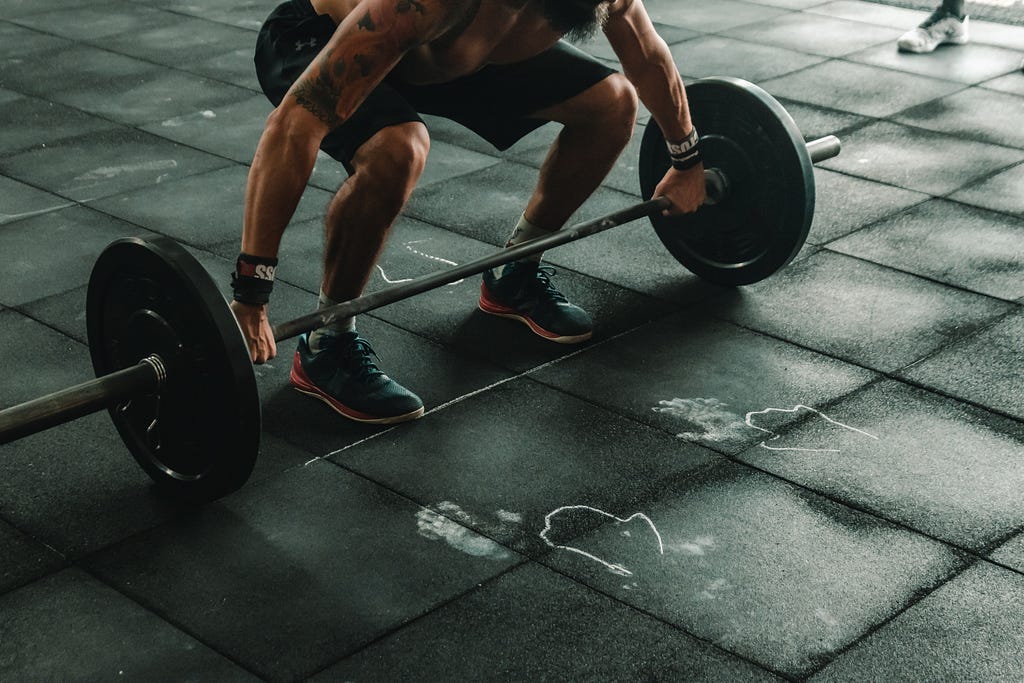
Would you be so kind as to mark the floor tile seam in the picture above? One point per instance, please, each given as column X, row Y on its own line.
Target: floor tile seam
column 175, row 11
column 154, row 610
column 664, row 620
column 966, row 137
column 914, row 75
column 525, row 374
column 436, row 608
column 893, row 374
column 724, row 33
column 101, row 47
column 927, row 278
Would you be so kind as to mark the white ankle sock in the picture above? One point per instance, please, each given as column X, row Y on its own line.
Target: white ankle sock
column 336, row 328
column 523, row 232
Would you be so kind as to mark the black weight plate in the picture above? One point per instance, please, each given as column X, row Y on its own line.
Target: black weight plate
column 199, row 438
column 763, row 221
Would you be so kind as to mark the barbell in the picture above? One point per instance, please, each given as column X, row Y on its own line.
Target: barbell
column 174, row 370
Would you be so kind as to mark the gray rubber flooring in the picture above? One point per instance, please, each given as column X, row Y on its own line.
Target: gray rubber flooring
column 817, row 477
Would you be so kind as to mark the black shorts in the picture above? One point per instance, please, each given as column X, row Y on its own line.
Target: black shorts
column 496, row 102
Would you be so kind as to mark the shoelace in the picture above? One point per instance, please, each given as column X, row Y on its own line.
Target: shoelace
column 543, row 285
column 357, row 355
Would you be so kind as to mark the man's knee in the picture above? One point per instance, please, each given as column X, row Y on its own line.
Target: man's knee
column 616, row 105
column 391, row 163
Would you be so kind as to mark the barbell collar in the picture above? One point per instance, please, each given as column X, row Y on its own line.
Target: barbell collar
column 82, row 399
column 369, row 302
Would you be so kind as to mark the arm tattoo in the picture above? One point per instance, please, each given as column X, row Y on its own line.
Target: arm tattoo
column 405, row 6
column 366, row 23
column 320, row 95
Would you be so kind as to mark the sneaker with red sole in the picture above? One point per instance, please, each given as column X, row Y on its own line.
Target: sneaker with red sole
column 524, row 292
column 343, row 375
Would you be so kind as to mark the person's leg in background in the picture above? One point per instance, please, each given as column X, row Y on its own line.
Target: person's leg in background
column 948, row 24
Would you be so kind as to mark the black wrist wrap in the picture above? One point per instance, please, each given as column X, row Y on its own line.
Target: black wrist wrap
column 253, row 279
column 686, row 154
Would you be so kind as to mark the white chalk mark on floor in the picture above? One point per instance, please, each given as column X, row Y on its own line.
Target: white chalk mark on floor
column 795, row 409
column 612, row 567
column 9, row 217
column 389, row 280
column 509, row 517
column 110, row 172
column 451, row 526
column 707, row 414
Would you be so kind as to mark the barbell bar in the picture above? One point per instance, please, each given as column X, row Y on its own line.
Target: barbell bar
column 174, row 370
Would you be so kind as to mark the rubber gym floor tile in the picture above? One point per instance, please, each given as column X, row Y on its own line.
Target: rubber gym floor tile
column 1011, row 553
column 951, row 635
column 938, row 466
column 758, row 567
column 202, row 209
column 30, row 123
column 1011, row 83
column 985, row 368
column 870, row 13
column 861, row 312
column 508, row 460
column 958, row 115
column 71, row 626
column 844, row 204
column 861, row 89
column 955, row 244
column 247, row 14
column 700, row 16
column 815, row 34
column 992, row 33
column 96, row 22
column 971, row 63
column 178, row 41
column 697, row 378
column 65, row 242
column 21, row 201
column 156, row 97
column 19, row 42
column 23, row 559
column 816, row 122
column 500, row 194
column 231, row 131
column 234, row 67
column 106, row 163
column 919, row 160
column 75, row 73
column 532, row 624
column 1002, row 192
column 317, row 562
column 446, row 130
column 720, row 56
column 623, row 175
column 24, row 8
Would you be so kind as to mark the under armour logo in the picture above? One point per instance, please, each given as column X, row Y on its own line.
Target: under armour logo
column 299, row 44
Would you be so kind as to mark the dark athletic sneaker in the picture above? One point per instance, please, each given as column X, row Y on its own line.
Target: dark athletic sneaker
column 344, row 376
column 524, row 292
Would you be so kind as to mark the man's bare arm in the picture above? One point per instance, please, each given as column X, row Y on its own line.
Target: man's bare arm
column 364, row 48
column 647, row 63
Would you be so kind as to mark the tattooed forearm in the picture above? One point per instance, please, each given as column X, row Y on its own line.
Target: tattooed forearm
column 320, row 95
column 365, row 65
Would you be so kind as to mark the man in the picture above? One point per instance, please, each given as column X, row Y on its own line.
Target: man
column 349, row 76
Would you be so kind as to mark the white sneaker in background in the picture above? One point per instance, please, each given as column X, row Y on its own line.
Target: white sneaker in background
column 941, row 28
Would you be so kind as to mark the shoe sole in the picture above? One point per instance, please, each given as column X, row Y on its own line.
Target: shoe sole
column 925, row 49
column 505, row 312
column 301, row 383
